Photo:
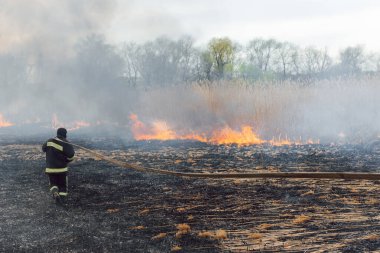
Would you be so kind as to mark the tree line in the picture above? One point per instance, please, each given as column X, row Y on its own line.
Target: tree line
column 165, row 61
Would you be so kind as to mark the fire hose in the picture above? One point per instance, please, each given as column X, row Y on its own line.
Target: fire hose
column 312, row 175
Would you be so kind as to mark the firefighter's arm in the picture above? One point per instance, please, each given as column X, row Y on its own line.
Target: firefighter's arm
column 69, row 152
column 44, row 147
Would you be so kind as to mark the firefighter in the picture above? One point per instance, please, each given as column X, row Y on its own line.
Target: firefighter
column 58, row 154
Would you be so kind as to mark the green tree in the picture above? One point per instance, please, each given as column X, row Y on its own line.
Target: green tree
column 222, row 54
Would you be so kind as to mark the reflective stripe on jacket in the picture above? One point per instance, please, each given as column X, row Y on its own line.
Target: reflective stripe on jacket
column 58, row 155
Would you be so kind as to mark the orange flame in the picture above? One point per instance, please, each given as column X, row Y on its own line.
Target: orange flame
column 159, row 130
column 55, row 123
column 228, row 136
column 4, row 122
column 78, row 124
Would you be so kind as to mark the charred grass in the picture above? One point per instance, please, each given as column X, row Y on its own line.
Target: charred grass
column 118, row 210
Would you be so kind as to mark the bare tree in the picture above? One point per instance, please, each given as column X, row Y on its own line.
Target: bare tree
column 155, row 62
column 351, row 60
column 316, row 61
column 287, row 58
column 99, row 63
column 202, row 65
column 164, row 61
column 130, row 54
column 260, row 52
column 187, row 58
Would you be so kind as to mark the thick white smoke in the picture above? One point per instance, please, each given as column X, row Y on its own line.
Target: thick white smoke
column 52, row 66
column 329, row 111
column 50, row 27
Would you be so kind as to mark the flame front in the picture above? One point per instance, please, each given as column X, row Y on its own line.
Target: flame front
column 160, row 130
column 229, row 136
column 4, row 122
column 55, row 123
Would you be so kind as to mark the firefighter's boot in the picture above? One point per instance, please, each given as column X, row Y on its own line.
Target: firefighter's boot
column 55, row 194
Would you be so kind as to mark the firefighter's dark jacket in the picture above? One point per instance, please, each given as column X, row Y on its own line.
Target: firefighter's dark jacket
column 58, row 154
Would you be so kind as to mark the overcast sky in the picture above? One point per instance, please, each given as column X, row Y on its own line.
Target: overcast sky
column 56, row 25
column 335, row 24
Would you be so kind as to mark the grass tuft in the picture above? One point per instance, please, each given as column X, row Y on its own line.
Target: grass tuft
column 138, row 228
column 176, row 248
column 144, row 211
column 372, row 237
column 182, row 230
column 264, row 226
column 181, row 209
column 113, row 210
column 220, row 234
column 159, row 236
column 301, row 219
column 206, row 234
column 255, row 236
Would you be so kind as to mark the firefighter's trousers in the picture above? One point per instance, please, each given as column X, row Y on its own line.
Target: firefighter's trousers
column 59, row 181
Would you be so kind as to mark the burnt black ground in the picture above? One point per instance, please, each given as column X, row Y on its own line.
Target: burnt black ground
column 117, row 210
column 32, row 222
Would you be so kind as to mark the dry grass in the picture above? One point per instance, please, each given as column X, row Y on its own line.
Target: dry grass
column 274, row 110
column 264, row 106
column 371, row 201
column 181, row 209
column 113, row 210
column 218, row 234
column 137, row 228
column 264, row 226
column 159, row 236
column 373, row 237
column 184, row 227
column 176, row 248
column 221, row 234
column 354, row 190
column 206, row 234
column 301, row 219
column 182, row 230
column 350, row 201
column 144, row 211
column 255, row 236
column 311, row 192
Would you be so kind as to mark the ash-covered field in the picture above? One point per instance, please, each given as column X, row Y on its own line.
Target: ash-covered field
column 111, row 209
